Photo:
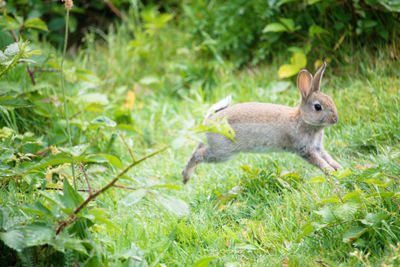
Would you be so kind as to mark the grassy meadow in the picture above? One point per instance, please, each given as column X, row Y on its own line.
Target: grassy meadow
column 129, row 97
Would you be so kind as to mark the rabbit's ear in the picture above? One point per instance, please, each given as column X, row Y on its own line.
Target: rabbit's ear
column 304, row 80
column 316, row 82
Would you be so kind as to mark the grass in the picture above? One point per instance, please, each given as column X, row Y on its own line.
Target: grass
column 262, row 222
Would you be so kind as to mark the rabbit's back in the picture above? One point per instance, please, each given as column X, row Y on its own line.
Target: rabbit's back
column 259, row 127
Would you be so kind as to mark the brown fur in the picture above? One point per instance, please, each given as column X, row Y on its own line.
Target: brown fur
column 262, row 127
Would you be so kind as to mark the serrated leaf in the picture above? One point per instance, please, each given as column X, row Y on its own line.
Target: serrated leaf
column 343, row 174
column 102, row 158
column 174, row 205
column 70, row 198
column 353, row 233
column 134, row 197
column 14, row 239
column 36, row 23
column 38, row 234
column 326, row 214
column 275, row 27
column 347, row 211
column 204, row 262
column 306, row 229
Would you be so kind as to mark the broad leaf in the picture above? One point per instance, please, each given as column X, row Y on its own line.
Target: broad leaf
column 174, row 205
column 275, row 27
column 14, row 239
column 353, row 233
column 36, row 23
column 134, row 197
column 204, row 262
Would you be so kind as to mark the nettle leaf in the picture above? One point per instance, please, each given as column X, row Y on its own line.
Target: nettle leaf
column 14, row 239
column 204, row 262
column 102, row 158
column 353, row 233
column 134, row 197
column 37, row 24
column 326, row 214
column 38, row 234
column 174, row 205
column 347, row 211
column 71, row 199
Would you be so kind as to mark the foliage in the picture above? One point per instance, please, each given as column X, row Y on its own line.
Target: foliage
column 145, row 85
column 253, row 31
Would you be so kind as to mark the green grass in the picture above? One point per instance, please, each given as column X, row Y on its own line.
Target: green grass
column 264, row 223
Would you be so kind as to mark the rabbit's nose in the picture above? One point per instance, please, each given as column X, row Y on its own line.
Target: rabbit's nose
column 335, row 118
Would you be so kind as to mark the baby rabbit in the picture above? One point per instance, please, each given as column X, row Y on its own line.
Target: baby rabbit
column 262, row 127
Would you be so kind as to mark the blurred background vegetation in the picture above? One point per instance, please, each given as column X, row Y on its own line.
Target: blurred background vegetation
column 141, row 74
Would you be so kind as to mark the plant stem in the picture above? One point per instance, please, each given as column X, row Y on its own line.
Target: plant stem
column 107, row 186
column 63, row 91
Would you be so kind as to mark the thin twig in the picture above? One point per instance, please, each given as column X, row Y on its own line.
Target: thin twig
column 127, row 147
column 114, row 9
column 59, row 189
column 86, row 178
column 125, row 187
column 110, row 184
column 46, row 70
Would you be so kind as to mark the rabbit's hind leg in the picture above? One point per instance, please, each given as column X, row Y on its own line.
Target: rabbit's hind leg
column 202, row 154
column 198, row 156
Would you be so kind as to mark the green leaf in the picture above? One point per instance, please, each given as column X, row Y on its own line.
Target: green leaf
column 299, row 60
column 353, row 233
column 174, row 205
column 315, row 29
column 204, row 262
column 351, row 195
column 307, row 229
column 287, row 70
column 275, row 27
column 347, row 211
column 71, row 199
column 343, row 174
column 329, row 200
column 95, row 98
column 13, row 102
column 14, row 239
column 134, row 197
column 169, row 186
column 101, row 158
column 103, row 121
column 318, row 179
column 38, row 234
column 37, row 24
column 38, row 209
column 326, row 214
column 289, row 23
column 51, row 161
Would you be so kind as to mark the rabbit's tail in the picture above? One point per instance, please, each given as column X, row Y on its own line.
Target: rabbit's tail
column 224, row 103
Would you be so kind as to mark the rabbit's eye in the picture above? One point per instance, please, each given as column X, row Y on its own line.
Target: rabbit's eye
column 317, row 107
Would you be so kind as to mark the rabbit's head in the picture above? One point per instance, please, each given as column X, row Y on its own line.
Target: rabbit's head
column 316, row 108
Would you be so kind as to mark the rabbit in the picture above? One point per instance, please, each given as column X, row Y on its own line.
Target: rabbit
column 263, row 127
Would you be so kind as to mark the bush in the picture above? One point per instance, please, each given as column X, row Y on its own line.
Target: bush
column 252, row 31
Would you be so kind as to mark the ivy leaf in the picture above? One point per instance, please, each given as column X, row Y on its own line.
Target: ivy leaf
column 37, row 24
